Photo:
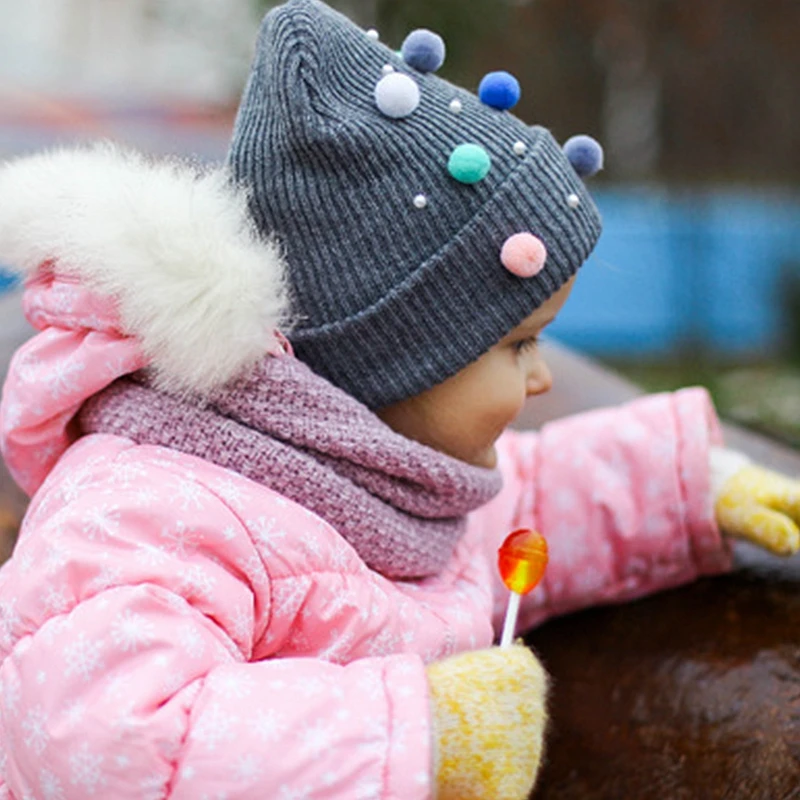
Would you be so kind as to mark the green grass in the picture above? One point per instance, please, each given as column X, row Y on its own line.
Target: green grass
column 764, row 397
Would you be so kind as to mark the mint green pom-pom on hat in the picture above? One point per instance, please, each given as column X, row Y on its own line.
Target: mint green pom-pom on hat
column 392, row 205
column 469, row 163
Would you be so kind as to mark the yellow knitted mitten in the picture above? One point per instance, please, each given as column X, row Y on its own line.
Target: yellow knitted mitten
column 489, row 719
column 762, row 506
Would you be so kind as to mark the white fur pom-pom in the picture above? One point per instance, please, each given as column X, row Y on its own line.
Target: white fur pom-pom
column 172, row 244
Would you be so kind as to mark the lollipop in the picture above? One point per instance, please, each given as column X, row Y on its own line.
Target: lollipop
column 521, row 559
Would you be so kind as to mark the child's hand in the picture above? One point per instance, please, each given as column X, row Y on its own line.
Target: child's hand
column 763, row 507
column 489, row 720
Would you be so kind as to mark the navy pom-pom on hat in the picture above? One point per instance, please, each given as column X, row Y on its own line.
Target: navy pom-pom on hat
column 585, row 154
column 420, row 222
column 423, row 50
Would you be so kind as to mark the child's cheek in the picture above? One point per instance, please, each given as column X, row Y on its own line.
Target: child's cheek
column 502, row 413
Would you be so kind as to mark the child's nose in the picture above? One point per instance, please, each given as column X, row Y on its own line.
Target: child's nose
column 539, row 379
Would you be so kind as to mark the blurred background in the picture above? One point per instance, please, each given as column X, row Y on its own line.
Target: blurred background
column 697, row 276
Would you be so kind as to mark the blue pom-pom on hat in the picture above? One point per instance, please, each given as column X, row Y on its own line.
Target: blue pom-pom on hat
column 499, row 90
column 585, row 154
column 423, row 50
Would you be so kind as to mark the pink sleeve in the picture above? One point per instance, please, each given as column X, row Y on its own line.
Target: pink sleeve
column 134, row 696
column 126, row 668
column 622, row 496
column 306, row 728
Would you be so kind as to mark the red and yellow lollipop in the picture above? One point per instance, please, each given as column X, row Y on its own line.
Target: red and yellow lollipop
column 521, row 559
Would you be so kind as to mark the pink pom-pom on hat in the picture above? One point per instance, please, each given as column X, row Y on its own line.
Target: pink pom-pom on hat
column 523, row 255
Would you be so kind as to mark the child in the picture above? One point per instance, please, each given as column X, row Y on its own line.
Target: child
column 251, row 574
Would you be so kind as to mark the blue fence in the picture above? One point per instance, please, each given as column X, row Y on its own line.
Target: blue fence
column 684, row 269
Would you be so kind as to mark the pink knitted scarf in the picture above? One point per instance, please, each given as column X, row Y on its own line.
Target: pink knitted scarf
column 400, row 504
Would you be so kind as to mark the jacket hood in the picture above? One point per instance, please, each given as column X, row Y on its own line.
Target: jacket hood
column 127, row 263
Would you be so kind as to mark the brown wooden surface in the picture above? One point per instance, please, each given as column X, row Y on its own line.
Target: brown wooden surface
column 693, row 693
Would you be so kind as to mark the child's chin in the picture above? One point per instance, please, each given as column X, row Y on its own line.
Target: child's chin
column 487, row 458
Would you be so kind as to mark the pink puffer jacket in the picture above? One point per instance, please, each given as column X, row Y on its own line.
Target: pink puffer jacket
column 169, row 629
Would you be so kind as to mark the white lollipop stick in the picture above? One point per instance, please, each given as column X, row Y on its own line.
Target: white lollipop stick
column 510, row 624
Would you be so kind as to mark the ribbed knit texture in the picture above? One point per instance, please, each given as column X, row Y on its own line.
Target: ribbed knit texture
column 390, row 299
column 400, row 504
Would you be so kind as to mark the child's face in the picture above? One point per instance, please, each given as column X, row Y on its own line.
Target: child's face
column 464, row 415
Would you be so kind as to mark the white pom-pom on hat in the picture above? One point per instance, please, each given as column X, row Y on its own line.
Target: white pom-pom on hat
column 397, row 95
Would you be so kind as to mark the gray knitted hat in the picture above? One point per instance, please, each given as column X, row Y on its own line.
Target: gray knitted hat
column 409, row 255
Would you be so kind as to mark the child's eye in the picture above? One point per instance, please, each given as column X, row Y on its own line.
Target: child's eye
column 523, row 345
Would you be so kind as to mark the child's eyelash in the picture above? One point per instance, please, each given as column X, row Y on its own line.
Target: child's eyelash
column 526, row 344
